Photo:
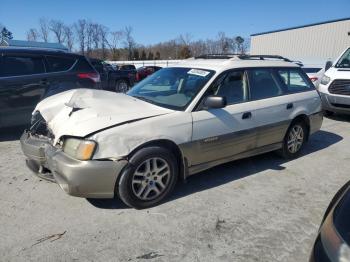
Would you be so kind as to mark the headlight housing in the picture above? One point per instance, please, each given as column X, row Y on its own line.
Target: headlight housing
column 325, row 80
column 79, row 148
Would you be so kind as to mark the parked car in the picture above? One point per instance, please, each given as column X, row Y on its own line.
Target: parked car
column 333, row 239
column 112, row 79
column 314, row 73
column 28, row 75
column 145, row 71
column 334, row 86
column 177, row 122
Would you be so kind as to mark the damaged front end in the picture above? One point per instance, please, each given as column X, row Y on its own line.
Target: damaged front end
column 34, row 143
column 83, row 178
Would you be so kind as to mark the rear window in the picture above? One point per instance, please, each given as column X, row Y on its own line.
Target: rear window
column 58, row 64
column 294, row 80
column 21, row 65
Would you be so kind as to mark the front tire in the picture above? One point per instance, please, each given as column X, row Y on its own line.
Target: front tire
column 294, row 140
column 150, row 176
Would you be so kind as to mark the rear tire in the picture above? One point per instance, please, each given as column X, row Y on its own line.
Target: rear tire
column 149, row 177
column 294, row 140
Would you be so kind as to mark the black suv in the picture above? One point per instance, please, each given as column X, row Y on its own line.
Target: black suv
column 29, row 75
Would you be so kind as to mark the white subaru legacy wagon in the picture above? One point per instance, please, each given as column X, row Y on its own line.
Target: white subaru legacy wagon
column 181, row 120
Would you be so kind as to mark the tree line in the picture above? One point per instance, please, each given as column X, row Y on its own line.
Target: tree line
column 98, row 41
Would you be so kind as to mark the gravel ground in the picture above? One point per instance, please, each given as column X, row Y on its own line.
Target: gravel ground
column 258, row 209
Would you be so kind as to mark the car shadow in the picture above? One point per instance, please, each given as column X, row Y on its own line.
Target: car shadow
column 231, row 171
column 11, row 133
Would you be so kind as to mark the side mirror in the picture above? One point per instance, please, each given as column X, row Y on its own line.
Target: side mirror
column 328, row 65
column 215, row 102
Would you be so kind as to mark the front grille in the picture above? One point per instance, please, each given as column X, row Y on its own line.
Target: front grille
column 340, row 87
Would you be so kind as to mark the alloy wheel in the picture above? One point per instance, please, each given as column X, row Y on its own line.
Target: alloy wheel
column 295, row 139
column 151, row 178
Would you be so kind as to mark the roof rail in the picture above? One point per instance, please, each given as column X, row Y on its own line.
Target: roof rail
column 216, row 56
column 263, row 57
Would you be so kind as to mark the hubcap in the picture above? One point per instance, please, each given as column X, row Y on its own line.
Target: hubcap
column 295, row 139
column 151, row 178
column 122, row 87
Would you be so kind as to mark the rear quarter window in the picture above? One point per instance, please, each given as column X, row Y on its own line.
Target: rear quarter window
column 59, row 64
column 294, row 80
column 83, row 66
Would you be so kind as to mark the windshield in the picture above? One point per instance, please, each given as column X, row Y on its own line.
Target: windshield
column 344, row 61
column 173, row 87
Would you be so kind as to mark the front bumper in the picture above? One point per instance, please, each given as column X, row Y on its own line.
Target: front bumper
column 89, row 179
column 335, row 103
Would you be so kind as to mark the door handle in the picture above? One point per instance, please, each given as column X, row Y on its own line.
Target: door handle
column 246, row 115
column 290, row 106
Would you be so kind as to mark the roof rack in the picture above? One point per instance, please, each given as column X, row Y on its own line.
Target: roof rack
column 263, row 57
column 246, row 57
column 216, row 56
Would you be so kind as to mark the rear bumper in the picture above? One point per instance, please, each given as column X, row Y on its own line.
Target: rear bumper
column 316, row 121
column 90, row 179
column 335, row 103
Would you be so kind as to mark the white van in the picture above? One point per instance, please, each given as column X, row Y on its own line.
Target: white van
column 334, row 86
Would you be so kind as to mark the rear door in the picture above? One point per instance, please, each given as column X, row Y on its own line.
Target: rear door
column 221, row 133
column 280, row 94
column 22, row 85
column 272, row 108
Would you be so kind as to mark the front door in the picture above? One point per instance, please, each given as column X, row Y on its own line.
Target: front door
column 221, row 133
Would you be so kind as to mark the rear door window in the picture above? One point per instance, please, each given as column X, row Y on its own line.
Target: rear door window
column 59, row 64
column 294, row 80
column 18, row 65
column 263, row 84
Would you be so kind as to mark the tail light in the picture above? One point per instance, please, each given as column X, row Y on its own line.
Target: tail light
column 313, row 78
column 137, row 76
column 95, row 77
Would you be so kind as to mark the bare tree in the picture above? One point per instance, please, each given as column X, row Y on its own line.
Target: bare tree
column 104, row 31
column 57, row 27
column 80, row 28
column 44, row 29
column 96, row 36
column 185, row 39
column 129, row 40
column 69, row 37
column 89, row 37
column 32, row 35
column 114, row 42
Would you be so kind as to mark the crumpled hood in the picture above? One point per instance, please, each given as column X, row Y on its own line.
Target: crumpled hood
column 81, row 112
